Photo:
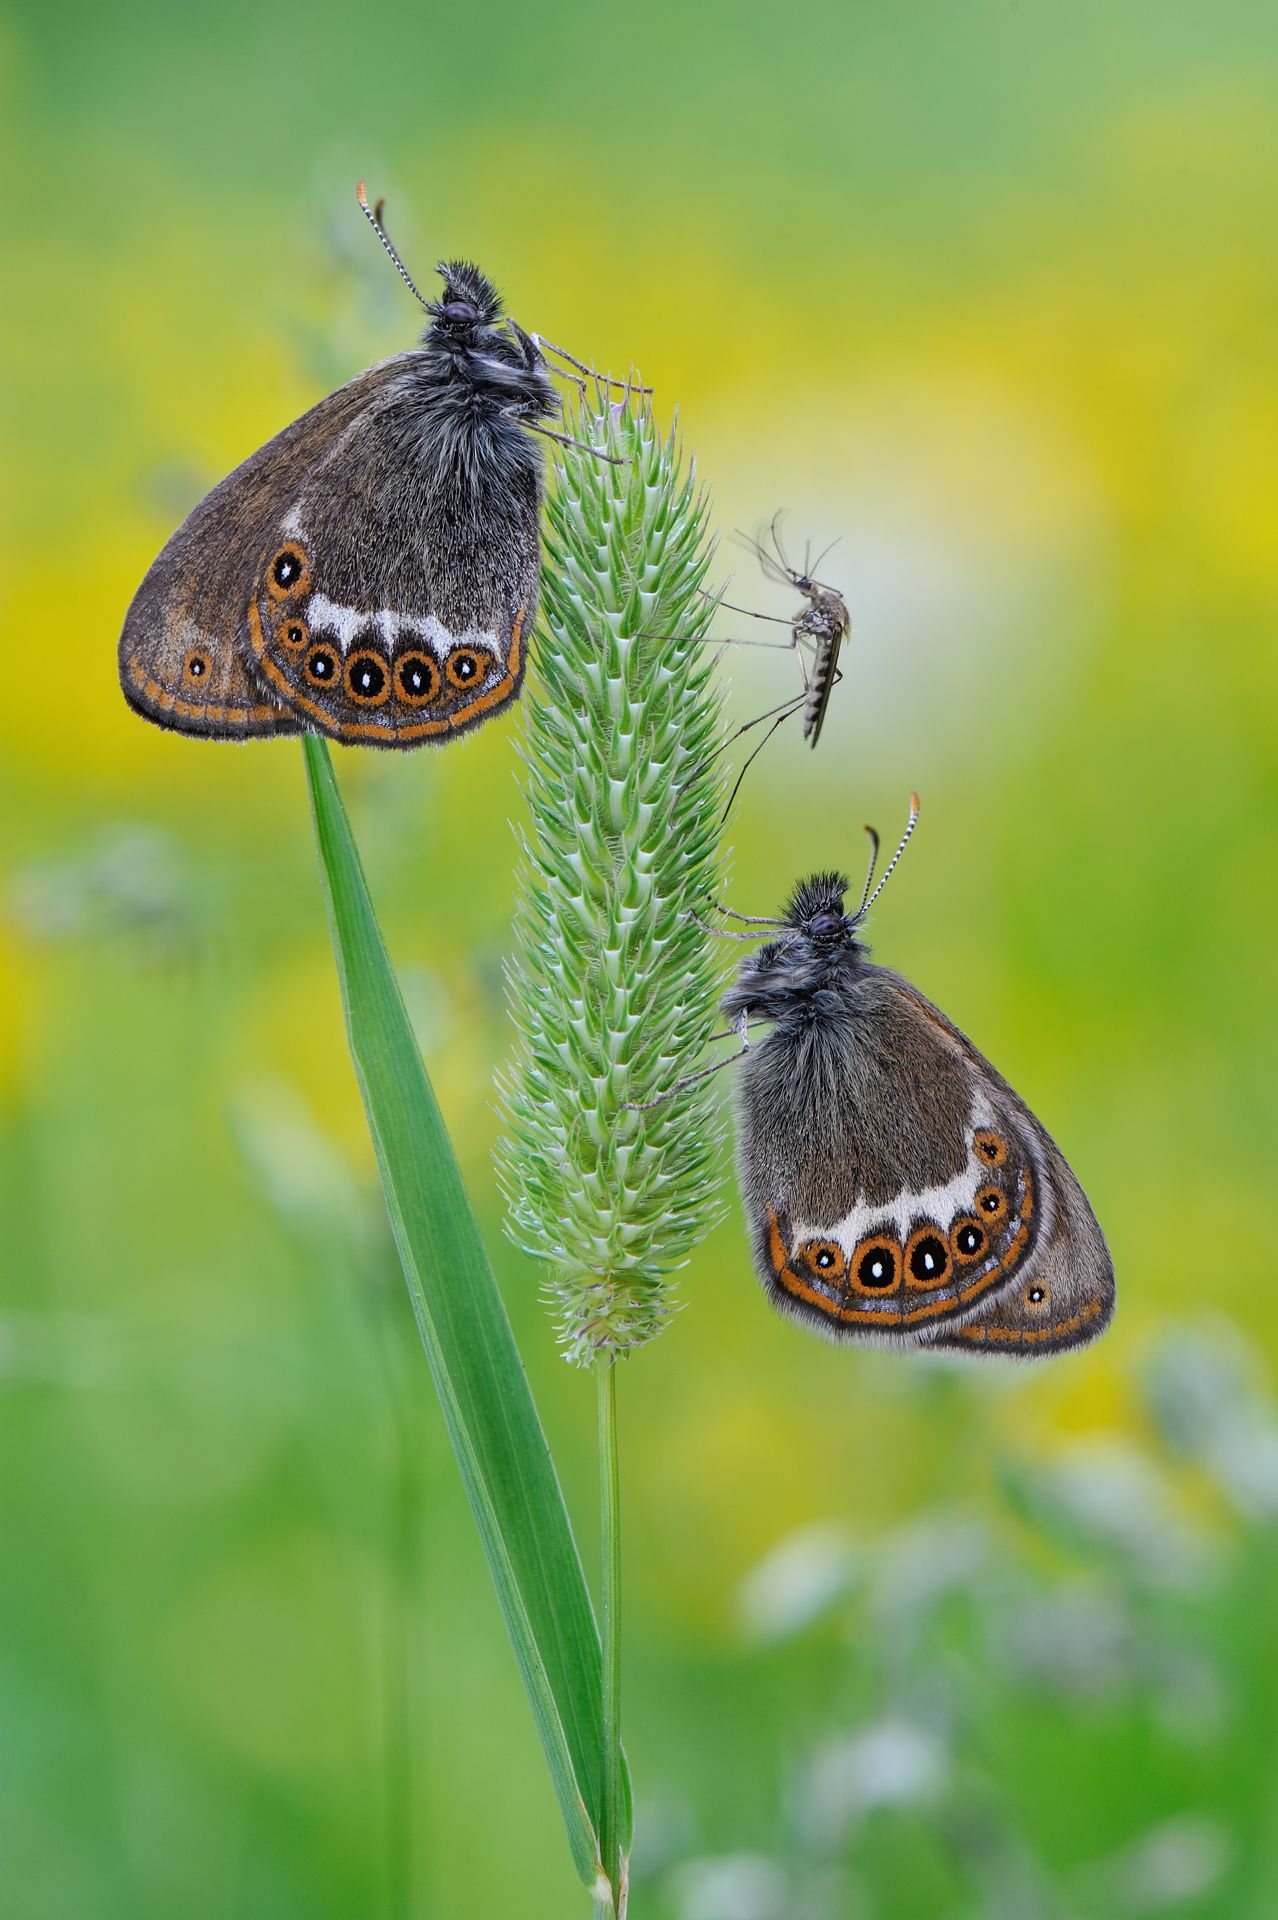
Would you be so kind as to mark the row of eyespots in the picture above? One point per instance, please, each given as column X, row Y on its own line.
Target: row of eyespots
column 367, row 677
column 878, row 1263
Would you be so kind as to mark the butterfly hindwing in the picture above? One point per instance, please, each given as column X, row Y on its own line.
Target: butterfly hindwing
column 900, row 1190
column 1062, row 1294
column 185, row 662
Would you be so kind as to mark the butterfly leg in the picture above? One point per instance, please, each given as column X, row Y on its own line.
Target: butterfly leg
column 749, row 919
column 604, row 379
column 566, row 440
column 727, row 933
column 702, row 1073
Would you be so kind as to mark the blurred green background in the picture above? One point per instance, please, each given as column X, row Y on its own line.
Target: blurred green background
column 990, row 291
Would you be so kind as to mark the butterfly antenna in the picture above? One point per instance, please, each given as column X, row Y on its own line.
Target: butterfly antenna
column 869, row 872
column 373, row 215
column 887, row 871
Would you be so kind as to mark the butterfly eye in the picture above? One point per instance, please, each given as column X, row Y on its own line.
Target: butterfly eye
column 826, row 926
column 459, row 313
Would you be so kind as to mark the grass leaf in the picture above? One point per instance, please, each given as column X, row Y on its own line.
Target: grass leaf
column 505, row 1464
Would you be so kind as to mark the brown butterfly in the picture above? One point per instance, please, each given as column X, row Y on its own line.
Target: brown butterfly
column 897, row 1188
column 372, row 572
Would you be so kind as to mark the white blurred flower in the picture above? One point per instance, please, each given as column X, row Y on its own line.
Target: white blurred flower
column 895, row 1763
column 797, row 1582
column 734, row 1886
column 1116, row 1498
column 1175, row 1863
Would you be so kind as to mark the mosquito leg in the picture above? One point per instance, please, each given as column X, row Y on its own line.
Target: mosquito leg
column 749, row 612
column 754, row 756
column 783, row 708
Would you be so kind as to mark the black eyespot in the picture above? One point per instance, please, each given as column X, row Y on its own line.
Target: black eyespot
column 1036, row 1295
column 993, row 1201
column 929, row 1259
column 293, row 634
column 825, row 1257
column 365, row 677
column 197, row 666
column 970, row 1238
column 321, row 665
column 417, row 678
column 877, row 1267
column 287, row 567
column 990, row 1147
column 466, row 666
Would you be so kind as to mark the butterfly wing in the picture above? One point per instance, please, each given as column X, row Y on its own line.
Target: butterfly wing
column 1061, row 1294
column 392, row 603
column 899, row 1189
column 185, row 662
column 1059, row 1291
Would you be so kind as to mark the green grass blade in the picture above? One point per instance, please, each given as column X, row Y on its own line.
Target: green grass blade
column 492, row 1421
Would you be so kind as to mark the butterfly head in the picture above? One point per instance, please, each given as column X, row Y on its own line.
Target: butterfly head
column 815, row 910
column 470, row 301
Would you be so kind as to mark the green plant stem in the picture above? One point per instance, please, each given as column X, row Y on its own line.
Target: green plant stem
column 611, row 1807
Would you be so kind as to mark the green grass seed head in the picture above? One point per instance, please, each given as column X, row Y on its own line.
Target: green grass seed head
column 612, row 987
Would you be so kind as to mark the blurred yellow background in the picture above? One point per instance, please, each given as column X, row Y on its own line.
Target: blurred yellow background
column 990, row 292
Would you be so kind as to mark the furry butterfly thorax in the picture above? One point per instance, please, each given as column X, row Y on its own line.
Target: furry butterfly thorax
column 897, row 1188
column 372, row 572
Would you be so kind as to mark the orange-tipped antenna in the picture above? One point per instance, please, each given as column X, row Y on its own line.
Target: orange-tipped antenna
column 373, row 215
column 887, row 871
